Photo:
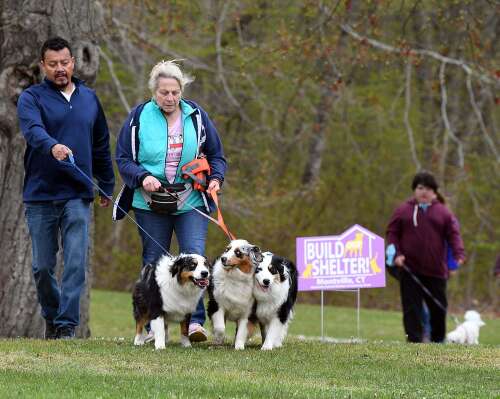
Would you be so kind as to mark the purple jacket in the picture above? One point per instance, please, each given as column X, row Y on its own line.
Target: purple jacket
column 421, row 237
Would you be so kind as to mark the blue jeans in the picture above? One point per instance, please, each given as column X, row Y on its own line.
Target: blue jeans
column 191, row 232
column 46, row 220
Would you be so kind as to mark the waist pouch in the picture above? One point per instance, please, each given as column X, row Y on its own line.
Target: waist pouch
column 169, row 199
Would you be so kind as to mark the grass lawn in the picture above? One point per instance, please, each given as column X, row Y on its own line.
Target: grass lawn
column 108, row 366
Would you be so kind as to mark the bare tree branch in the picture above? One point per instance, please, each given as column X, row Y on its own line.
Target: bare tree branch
column 115, row 79
column 433, row 54
column 480, row 119
column 407, row 115
column 192, row 62
column 444, row 114
column 219, row 29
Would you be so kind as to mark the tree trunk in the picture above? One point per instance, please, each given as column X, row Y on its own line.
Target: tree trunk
column 25, row 26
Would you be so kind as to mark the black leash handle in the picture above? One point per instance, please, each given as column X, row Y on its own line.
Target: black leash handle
column 417, row 280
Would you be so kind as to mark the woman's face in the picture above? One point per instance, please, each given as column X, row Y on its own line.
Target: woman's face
column 424, row 195
column 168, row 95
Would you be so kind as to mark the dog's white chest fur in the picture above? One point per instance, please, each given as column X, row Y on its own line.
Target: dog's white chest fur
column 232, row 291
column 178, row 300
column 269, row 302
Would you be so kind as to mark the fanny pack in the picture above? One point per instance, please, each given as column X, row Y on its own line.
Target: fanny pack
column 168, row 199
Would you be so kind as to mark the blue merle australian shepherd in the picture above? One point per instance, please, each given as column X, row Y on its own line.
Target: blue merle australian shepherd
column 168, row 291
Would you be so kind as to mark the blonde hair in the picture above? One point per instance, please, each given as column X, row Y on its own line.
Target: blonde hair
column 168, row 69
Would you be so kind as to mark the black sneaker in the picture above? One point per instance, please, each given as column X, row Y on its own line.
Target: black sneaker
column 66, row 332
column 50, row 330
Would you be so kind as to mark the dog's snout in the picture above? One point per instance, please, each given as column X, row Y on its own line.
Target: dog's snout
column 204, row 274
column 223, row 259
column 266, row 282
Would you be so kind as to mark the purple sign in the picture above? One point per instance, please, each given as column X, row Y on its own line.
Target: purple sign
column 354, row 259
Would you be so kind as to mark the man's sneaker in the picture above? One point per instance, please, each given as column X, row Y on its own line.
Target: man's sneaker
column 50, row 330
column 197, row 333
column 66, row 332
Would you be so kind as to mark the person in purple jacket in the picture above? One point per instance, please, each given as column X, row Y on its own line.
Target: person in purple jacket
column 420, row 229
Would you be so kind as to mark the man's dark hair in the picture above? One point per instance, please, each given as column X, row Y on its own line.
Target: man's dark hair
column 426, row 179
column 55, row 43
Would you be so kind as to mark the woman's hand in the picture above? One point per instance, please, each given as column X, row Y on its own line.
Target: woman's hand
column 399, row 261
column 213, row 186
column 151, row 184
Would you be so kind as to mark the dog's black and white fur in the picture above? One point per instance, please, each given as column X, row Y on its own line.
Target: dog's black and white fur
column 275, row 292
column 169, row 291
column 230, row 290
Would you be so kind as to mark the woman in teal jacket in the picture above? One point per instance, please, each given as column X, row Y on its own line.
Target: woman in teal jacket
column 157, row 139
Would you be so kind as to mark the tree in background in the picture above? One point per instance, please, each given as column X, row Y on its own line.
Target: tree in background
column 25, row 26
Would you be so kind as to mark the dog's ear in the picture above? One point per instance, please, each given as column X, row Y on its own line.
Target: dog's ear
column 256, row 254
column 282, row 271
column 178, row 265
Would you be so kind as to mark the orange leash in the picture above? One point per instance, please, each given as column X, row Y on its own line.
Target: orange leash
column 220, row 219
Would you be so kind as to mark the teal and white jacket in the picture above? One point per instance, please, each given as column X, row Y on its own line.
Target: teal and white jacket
column 141, row 150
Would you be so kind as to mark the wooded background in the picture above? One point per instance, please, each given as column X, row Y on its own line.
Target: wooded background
column 326, row 110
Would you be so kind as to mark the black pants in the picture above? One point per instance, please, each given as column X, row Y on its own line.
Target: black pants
column 412, row 296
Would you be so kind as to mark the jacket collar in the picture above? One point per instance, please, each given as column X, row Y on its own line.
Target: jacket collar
column 186, row 108
column 51, row 84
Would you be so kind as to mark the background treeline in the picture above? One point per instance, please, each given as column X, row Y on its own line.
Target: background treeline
column 326, row 109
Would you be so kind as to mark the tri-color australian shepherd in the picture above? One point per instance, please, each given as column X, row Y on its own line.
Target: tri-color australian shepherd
column 275, row 292
column 230, row 291
column 168, row 291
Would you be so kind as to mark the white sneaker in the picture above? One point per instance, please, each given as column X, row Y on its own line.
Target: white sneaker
column 150, row 337
column 197, row 333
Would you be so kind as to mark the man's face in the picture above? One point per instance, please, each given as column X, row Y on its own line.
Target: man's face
column 58, row 67
column 424, row 195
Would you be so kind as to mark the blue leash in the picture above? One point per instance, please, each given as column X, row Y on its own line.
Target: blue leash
column 73, row 163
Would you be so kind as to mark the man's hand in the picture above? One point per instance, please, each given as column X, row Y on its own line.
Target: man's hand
column 213, row 186
column 151, row 184
column 104, row 202
column 60, row 152
column 399, row 261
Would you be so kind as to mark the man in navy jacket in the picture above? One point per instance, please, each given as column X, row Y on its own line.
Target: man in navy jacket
column 59, row 117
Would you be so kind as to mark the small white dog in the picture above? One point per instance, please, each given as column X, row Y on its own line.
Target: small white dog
column 468, row 331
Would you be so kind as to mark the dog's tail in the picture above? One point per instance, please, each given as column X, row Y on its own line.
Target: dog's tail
column 140, row 297
column 292, row 276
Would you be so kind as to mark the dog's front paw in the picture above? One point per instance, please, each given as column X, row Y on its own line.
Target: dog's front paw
column 185, row 343
column 218, row 337
column 159, row 346
column 139, row 340
column 239, row 346
column 266, row 347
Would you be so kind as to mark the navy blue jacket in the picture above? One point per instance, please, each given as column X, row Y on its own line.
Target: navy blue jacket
column 46, row 118
column 133, row 173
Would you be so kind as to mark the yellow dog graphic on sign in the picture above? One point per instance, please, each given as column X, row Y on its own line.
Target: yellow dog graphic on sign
column 355, row 246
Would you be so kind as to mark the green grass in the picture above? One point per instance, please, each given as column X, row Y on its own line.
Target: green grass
column 108, row 366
